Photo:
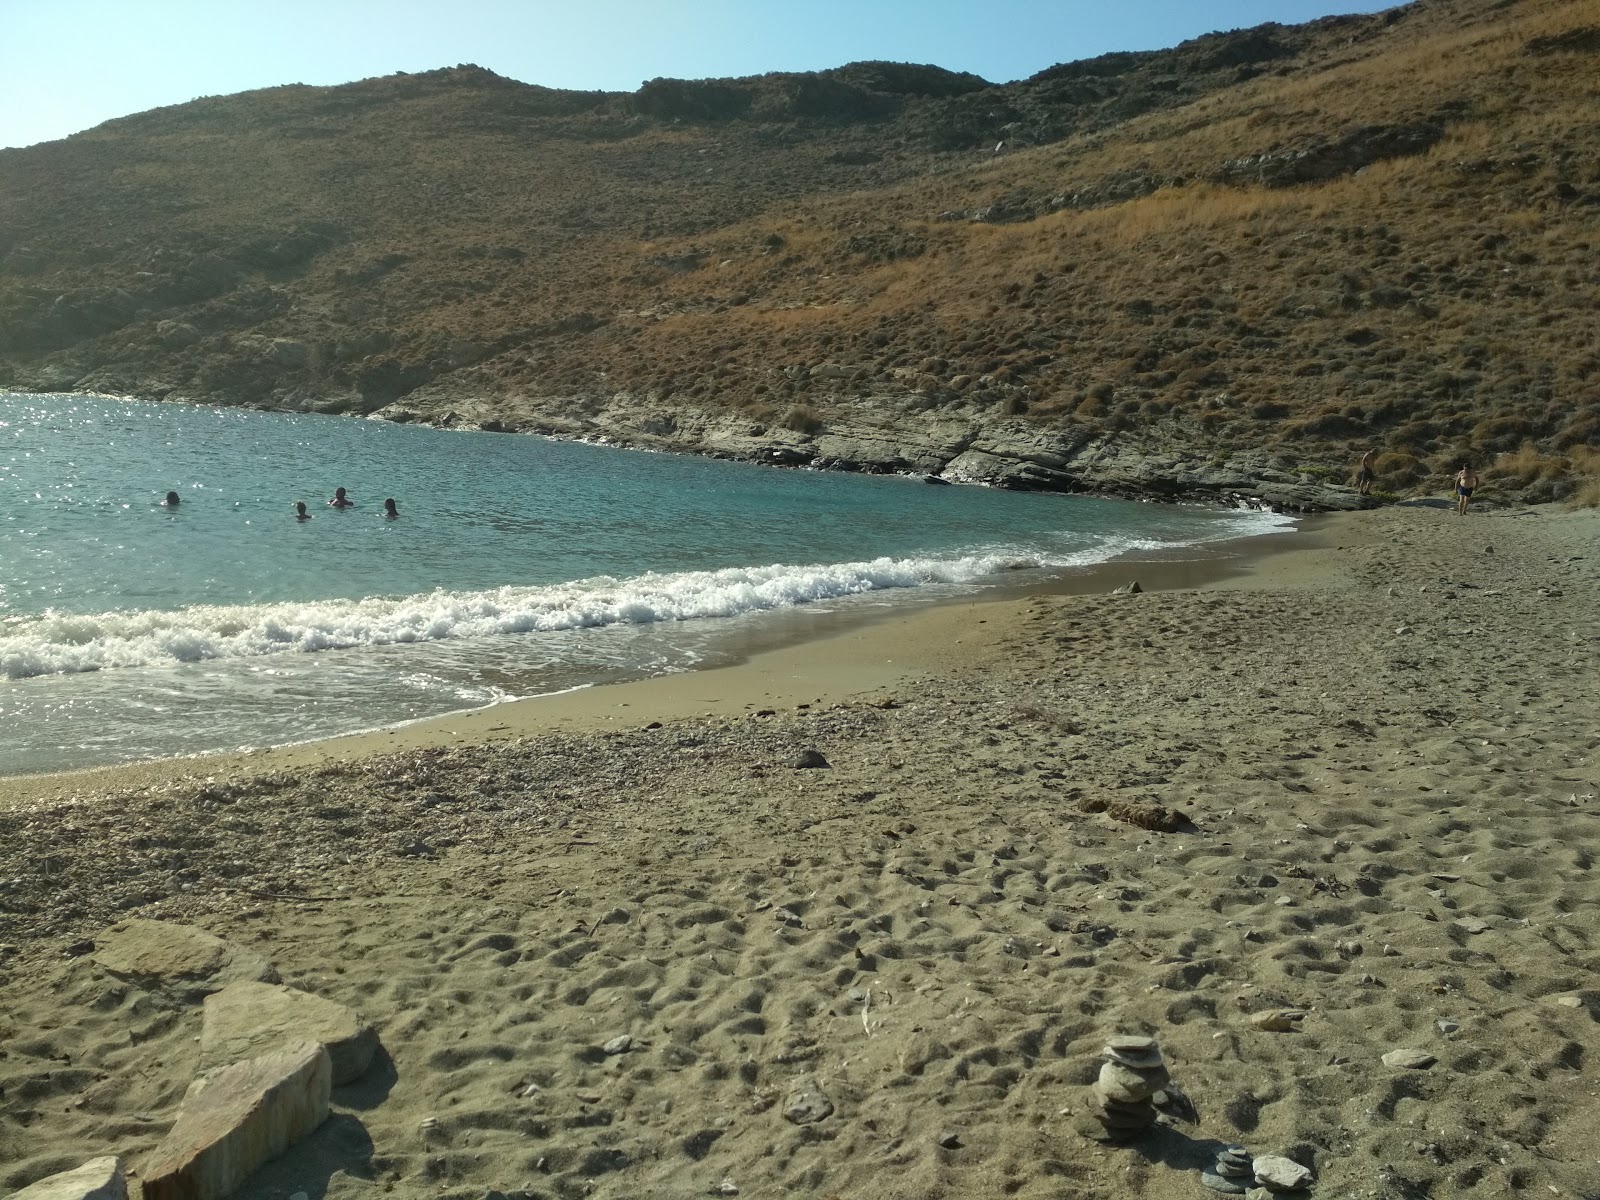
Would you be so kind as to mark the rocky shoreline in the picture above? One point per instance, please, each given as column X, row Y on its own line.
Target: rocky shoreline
column 938, row 446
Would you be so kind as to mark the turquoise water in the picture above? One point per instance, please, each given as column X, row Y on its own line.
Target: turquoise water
column 518, row 566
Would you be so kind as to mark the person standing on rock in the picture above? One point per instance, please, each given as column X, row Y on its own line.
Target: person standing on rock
column 1366, row 472
column 1466, row 484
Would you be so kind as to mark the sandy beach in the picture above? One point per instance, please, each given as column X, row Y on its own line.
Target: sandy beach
column 1372, row 759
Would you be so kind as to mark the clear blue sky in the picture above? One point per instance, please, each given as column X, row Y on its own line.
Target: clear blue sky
column 66, row 65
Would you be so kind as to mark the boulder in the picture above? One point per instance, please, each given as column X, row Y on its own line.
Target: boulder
column 97, row 1179
column 248, row 1019
column 163, row 955
column 235, row 1119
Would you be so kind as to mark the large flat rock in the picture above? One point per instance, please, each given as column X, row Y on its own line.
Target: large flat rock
column 97, row 1179
column 165, row 955
column 248, row 1019
column 237, row 1118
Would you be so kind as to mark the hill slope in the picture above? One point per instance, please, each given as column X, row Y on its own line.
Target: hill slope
column 1226, row 266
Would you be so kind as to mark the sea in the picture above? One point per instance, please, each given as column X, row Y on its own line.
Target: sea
column 518, row 566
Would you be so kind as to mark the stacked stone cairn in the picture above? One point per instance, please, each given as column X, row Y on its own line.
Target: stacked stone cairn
column 1234, row 1173
column 1120, row 1107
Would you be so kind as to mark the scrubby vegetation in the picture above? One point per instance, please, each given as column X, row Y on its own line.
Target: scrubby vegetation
column 1365, row 232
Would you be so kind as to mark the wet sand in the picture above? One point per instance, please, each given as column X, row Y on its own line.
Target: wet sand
column 1380, row 748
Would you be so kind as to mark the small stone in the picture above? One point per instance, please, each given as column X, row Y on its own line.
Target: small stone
column 1409, row 1060
column 807, row 1104
column 1139, row 1053
column 1128, row 589
column 1220, row 1183
column 618, row 1045
column 1472, row 925
column 1284, row 901
column 1444, row 1026
column 1280, row 1174
column 1570, row 1001
column 1258, row 1193
column 1125, row 1084
column 727, row 1188
column 1278, row 1020
column 950, row 1139
column 97, row 1179
column 809, row 760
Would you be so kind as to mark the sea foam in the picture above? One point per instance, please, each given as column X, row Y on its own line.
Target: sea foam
column 54, row 643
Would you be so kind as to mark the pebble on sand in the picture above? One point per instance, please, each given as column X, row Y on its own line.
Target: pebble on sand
column 1409, row 1060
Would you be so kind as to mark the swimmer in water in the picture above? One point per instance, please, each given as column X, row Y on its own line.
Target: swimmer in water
column 172, row 500
column 390, row 512
column 340, row 500
column 300, row 513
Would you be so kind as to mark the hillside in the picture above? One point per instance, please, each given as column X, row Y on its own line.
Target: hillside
column 1228, row 266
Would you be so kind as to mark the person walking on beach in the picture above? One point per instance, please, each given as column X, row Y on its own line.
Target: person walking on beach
column 1466, row 484
column 300, row 513
column 390, row 512
column 340, row 500
column 1366, row 472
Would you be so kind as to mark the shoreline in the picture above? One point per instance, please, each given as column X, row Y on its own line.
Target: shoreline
column 841, row 654
column 1326, row 829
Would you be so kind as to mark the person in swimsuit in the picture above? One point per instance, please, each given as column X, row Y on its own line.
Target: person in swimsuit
column 340, row 500
column 300, row 513
column 390, row 512
column 1365, row 473
column 172, row 500
column 1466, row 484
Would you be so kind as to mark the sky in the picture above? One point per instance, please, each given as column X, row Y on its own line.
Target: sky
column 67, row 65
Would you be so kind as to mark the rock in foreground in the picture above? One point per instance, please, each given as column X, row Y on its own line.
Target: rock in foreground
column 97, row 1179
column 237, row 1118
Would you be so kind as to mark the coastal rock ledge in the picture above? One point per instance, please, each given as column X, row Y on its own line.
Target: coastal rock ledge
column 882, row 439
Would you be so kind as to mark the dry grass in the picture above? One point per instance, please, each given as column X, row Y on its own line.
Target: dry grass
column 1434, row 306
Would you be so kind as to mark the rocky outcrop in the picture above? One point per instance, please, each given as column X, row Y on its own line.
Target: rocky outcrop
column 1322, row 160
column 887, row 439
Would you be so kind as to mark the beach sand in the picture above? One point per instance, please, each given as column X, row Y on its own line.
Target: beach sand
column 1382, row 747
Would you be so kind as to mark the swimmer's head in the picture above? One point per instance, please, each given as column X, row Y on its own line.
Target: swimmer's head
column 338, row 493
column 389, row 508
column 172, row 500
column 300, row 508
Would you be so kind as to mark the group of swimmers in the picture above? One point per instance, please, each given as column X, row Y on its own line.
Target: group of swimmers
column 341, row 499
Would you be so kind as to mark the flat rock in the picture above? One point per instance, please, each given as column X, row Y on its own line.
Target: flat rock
column 164, row 955
column 1411, row 1060
column 1217, row 1183
column 1123, row 1083
column 807, row 1104
column 97, row 1179
column 247, row 1020
column 1281, row 1174
column 237, row 1118
column 1278, row 1020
